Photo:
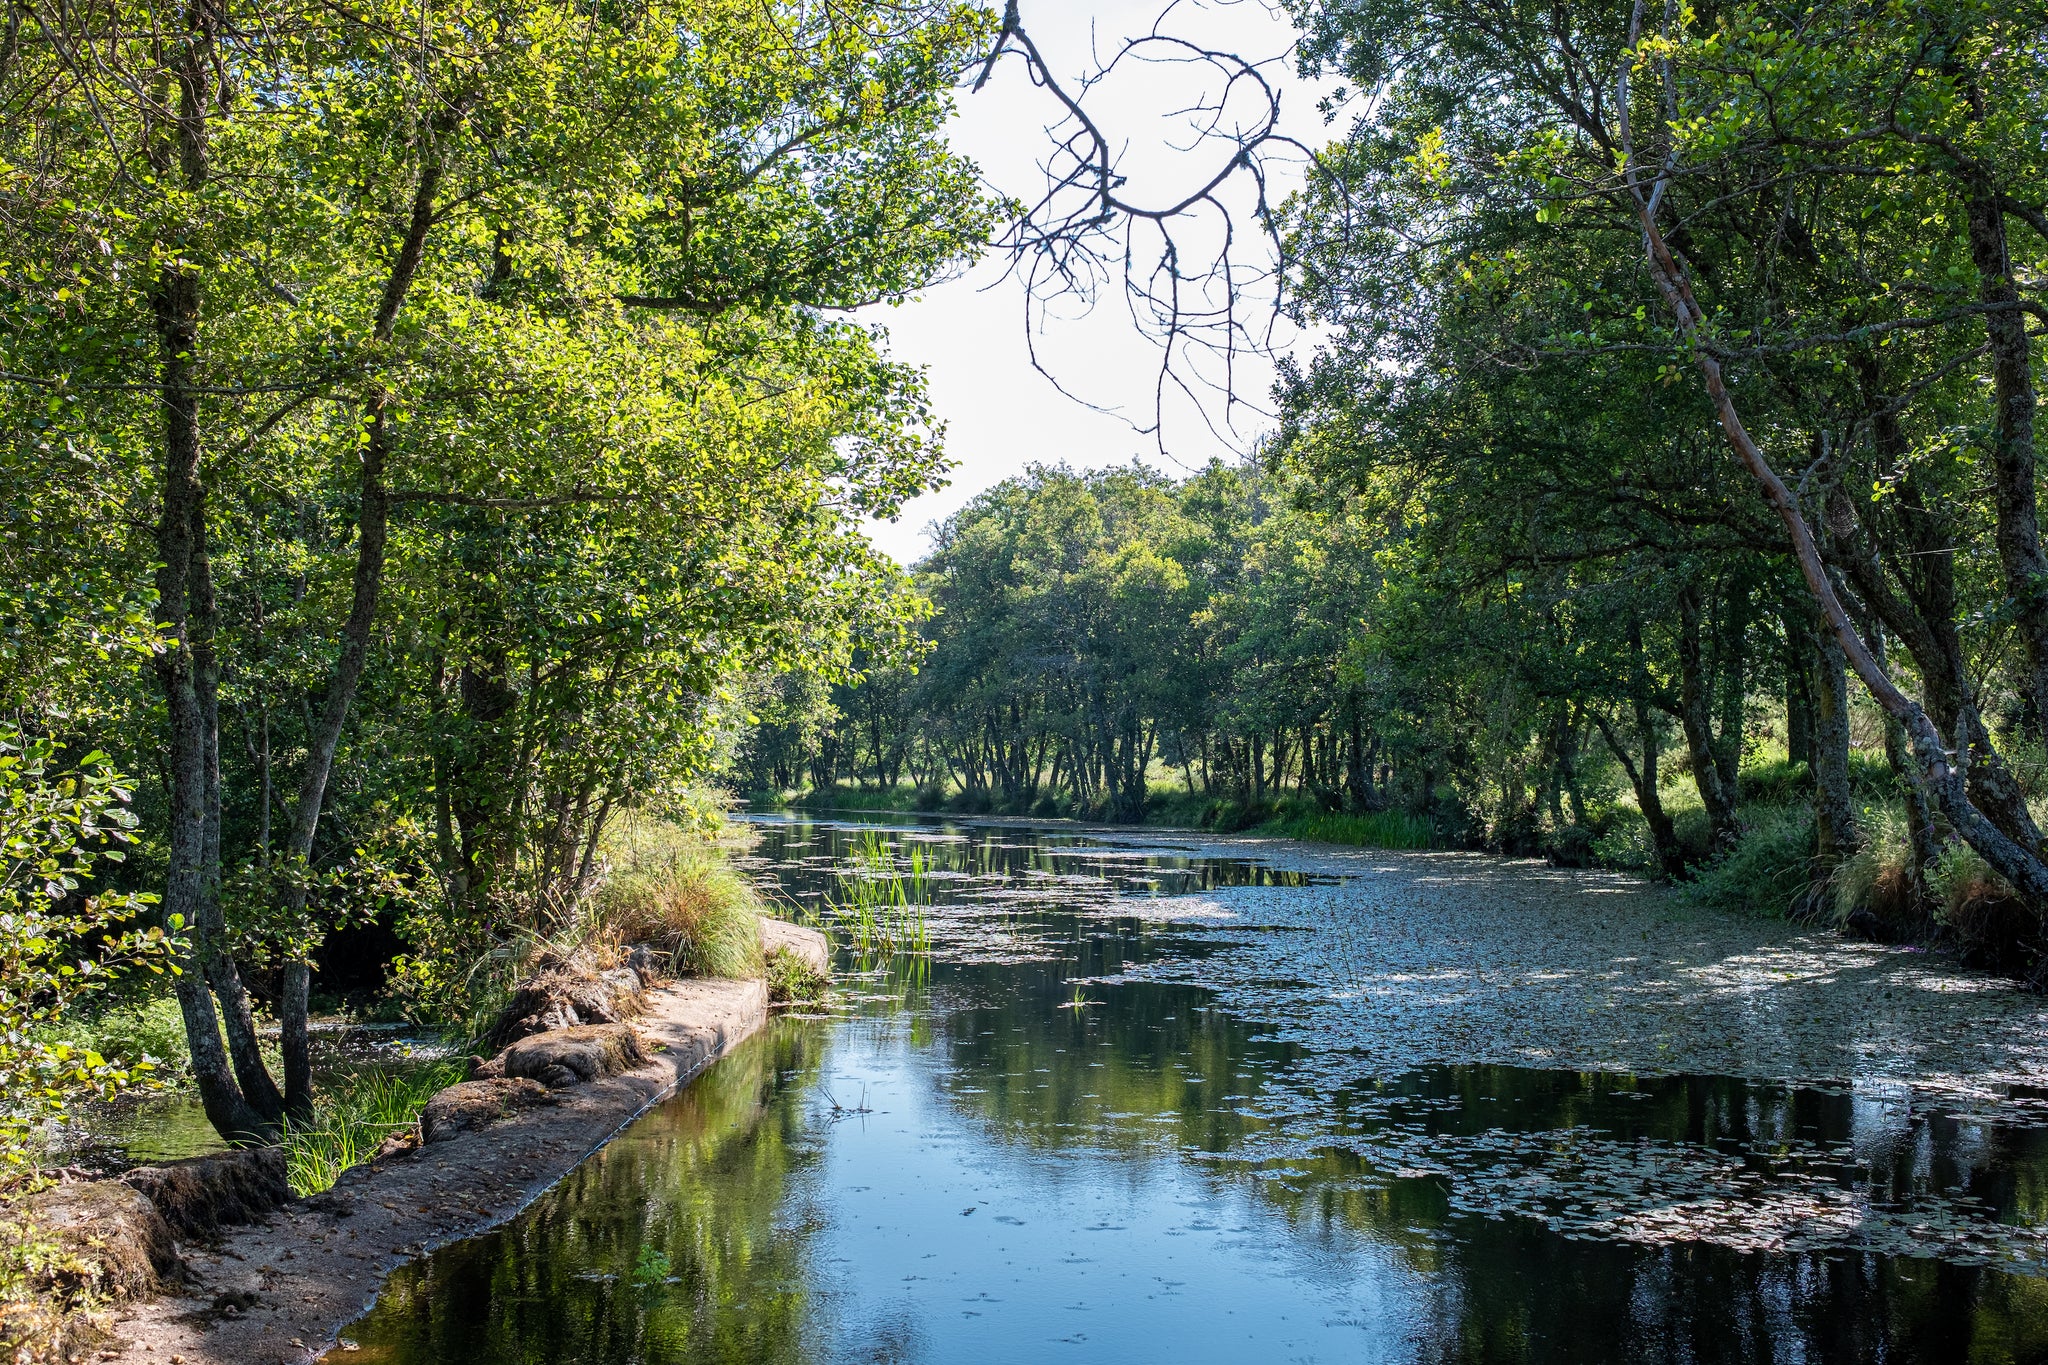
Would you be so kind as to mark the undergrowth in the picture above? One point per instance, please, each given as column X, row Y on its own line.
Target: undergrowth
column 145, row 1029
column 1768, row 872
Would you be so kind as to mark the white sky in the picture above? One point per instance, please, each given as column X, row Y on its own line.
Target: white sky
column 1000, row 413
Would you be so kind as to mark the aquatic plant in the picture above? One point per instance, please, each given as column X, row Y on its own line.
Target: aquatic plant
column 651, row 1267
column 1368, row 829
column 356, row 1114
column 880, row 906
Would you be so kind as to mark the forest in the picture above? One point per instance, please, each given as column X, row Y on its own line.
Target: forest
column 443, row 436
column 418, row 431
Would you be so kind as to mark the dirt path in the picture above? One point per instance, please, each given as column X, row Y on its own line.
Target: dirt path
column 282, row 1291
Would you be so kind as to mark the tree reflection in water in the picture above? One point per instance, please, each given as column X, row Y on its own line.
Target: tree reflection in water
column 1134, row 1174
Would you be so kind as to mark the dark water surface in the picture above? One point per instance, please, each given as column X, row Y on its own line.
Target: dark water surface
column 1047, row 1143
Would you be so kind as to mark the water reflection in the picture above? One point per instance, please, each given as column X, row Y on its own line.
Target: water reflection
column 1024, row 1153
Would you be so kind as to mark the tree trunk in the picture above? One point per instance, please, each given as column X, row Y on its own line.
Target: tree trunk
column 1734, row 687
column 190, row 898
column 1924, row 620
column 1568, row 764
column 238, row 1016
column 1798, row 697
column 1834, row 804
column 2012, row 450
column 1696, row 715
column 372, row 528
column 1643, row 780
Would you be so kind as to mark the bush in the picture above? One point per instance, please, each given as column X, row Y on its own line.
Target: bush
column 1229, row 816
column 1624, row 841
column 1769, row 871
column 678, row 893
column 1782, row 782
column 146, row 1030
column 1572, row 846
column 54, row 828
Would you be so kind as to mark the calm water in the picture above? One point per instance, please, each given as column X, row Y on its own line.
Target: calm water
column 1047, row 1142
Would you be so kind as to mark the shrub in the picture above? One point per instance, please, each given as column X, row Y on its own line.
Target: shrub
column 678, row 893
column 53, row 829
column 1624, row 842
column 1781, row 782
column 146, row 1030
column 1571, row 846
column 1770, row 869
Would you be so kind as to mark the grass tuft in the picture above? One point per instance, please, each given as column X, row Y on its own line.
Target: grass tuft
column 360, row 1111
column 794, row 981
column 678, row 893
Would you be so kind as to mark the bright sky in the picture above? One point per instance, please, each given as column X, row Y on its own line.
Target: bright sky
column 1001, row 414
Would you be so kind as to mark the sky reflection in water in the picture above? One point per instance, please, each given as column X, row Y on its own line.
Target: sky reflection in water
column 969, row 1165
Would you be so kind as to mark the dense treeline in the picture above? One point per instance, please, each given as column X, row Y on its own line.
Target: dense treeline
column 420, row 419
column 1092, row 630
column 1674, row 411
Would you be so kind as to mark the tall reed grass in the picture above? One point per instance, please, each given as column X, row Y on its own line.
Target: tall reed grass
column 1369, row 829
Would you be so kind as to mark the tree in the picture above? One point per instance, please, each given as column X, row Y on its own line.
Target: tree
column 380, row 269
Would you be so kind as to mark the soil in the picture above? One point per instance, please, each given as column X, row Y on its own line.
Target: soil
column 283, row 1290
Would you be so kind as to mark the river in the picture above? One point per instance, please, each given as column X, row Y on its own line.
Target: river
column 1161, row 1098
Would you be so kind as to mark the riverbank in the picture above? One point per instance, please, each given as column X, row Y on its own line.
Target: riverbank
column 283, row 1290
column 1292, row 817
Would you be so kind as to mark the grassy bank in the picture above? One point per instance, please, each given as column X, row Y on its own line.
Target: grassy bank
column 1292, row 816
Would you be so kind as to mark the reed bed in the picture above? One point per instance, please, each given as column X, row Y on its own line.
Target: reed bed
column 880, row 905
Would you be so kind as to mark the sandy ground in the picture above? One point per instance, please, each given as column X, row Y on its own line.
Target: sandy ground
column 282, row 1291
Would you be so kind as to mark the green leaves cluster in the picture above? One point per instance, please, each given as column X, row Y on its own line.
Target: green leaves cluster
column 61, row 940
